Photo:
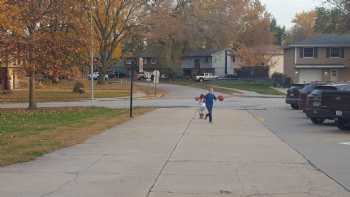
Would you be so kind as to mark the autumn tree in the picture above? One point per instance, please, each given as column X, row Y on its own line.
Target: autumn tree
column 113, row 21
column 165, row 31
column 255, row 33
column 329, row 20
column 39, row 34
column 208, row 24
column 333, row 17
column 304, row 26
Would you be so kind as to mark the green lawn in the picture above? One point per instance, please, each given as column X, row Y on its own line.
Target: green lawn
column 62, row 91
column 25, row 135
column 233, row 86
column 261, row 87
column 48, row 95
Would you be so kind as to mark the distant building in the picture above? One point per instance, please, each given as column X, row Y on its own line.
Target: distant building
column 324, row 57
column 268, row 56
column 9, row 75
column 218, row 62
column 274, row 56
column 144, row 62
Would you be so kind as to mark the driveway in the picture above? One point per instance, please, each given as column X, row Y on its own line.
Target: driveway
column 171, row 153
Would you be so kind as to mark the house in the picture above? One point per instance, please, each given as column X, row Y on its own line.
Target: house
column 218, row 62
column 144, row 62
column 9, row 75
column 274, row 57
column 276, row 63
column 270, row 57
column 324, row 57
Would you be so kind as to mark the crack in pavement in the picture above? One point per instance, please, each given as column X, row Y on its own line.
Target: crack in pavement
column 171, row 154
column 74, row 179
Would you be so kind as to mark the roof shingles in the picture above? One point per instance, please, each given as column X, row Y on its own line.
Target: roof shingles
column 325, row 40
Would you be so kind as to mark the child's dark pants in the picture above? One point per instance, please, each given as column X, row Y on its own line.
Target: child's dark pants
column 210, row 113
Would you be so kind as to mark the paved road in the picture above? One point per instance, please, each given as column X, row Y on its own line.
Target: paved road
column 178, row 96
column 182, row 157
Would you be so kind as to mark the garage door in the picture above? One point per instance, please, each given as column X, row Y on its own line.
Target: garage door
column 310, row 75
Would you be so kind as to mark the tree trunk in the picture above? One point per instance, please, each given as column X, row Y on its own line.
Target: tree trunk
column 102, row 70
column 32, row 103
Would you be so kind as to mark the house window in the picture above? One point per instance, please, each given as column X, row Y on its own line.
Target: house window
column 197, row 63
column 153, row 61
column 334, row 73
column 207, row 59
column 309, row 52
column 129, row 62
column 335, row 52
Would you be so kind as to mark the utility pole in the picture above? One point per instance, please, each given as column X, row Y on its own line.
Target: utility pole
column 92, row 52
column 131, row 87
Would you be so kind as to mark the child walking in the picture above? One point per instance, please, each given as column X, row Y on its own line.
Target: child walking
column 202, row 106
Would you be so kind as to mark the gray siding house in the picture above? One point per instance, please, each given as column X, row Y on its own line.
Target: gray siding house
column 324, row 57
column 218, row 62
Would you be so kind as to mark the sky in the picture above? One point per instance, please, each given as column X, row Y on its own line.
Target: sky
column 285, row 10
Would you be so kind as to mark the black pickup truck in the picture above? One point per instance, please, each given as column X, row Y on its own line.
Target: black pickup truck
column 339, row 101
column 293, row 95
column 320, row 104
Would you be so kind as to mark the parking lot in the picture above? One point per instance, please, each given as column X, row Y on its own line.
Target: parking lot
column 324, row 146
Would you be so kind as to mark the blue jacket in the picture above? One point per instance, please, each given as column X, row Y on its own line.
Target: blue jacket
column 209, row 100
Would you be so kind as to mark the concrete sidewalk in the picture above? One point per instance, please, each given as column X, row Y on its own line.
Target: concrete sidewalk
column 170, row 153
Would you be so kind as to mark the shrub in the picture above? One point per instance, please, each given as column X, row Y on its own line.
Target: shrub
column 281, row 80
column 78, row 88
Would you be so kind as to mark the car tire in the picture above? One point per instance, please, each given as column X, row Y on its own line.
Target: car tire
column 294, row 106
column 343, row 124
column 317, row 121
column 201, row 80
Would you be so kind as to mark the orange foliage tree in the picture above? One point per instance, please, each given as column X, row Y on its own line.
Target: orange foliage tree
column 113, row 21
column 304, row 26
column 40, row 34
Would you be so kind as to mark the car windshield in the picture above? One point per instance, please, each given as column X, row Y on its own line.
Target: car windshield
column 308, row 88
column 299, row 86
column 345, row 88
column 316, row 91
column 320, row 88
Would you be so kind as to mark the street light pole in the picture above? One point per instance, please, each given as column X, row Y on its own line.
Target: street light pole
column 92, row 53
column 131, row 88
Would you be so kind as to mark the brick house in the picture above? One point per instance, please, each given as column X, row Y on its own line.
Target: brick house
column 324, row 57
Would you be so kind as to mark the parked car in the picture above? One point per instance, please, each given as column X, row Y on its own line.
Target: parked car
column 148, row 76
column 304, row 92
column 292, row 97
column 95, row 76
column 205, row 77
column 339, row 102
column 140, row 76
column 164, row 76
column 320, row 105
